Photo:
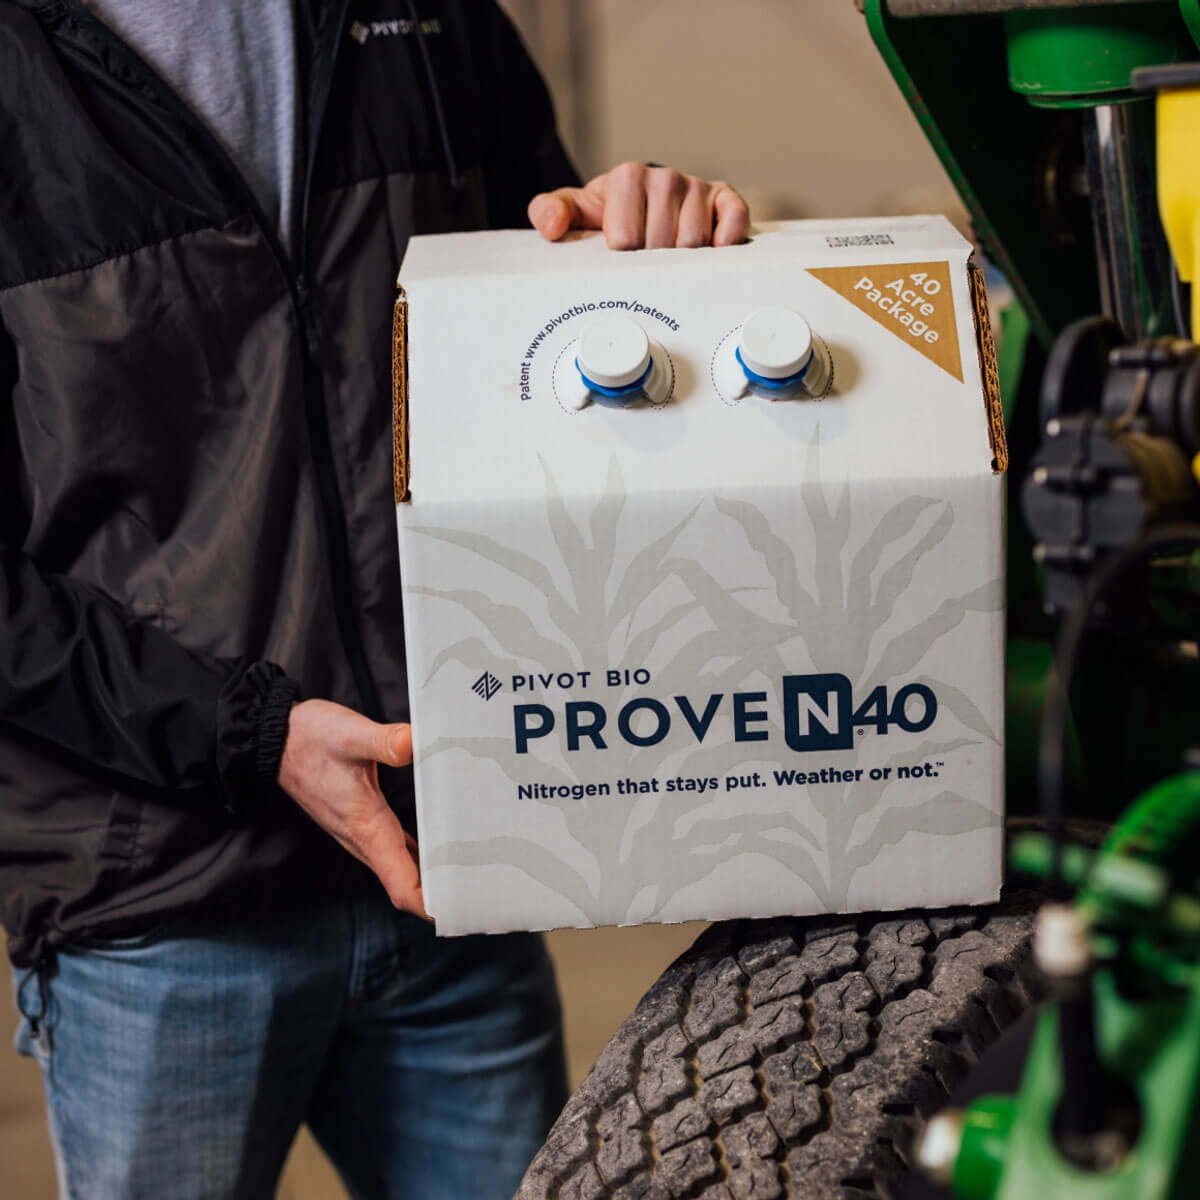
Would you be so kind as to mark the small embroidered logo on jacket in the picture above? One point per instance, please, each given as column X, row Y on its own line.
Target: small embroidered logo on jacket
column 487, row 685
column 360, row 30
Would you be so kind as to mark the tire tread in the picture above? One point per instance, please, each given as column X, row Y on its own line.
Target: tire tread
column 790, row 1058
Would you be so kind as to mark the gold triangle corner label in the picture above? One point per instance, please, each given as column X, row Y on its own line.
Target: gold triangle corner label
column 911, row 300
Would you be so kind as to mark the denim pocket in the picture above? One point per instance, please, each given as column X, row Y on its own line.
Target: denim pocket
column 145, row 935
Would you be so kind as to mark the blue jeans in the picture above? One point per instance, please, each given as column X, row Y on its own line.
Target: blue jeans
column 181, row 1065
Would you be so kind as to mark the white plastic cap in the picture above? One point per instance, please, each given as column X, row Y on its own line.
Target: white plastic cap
column 614, row 351
column 1060, row 941
column 938, row 1146
column 776, row 342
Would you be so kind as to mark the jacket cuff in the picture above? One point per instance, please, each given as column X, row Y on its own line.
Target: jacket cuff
column 252, row 727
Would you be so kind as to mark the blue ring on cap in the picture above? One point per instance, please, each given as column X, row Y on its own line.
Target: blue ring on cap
column 775, row 385
column 615, row 393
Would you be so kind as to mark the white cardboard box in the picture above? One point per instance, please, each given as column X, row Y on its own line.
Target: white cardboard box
column 723, row 656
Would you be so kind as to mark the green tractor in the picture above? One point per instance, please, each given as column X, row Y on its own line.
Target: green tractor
column 846, row 1056
column 1072, row 132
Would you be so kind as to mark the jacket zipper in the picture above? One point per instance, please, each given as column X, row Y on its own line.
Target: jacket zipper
column 294, row 274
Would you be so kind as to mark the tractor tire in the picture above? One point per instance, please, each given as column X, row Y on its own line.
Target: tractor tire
column 791, row 1058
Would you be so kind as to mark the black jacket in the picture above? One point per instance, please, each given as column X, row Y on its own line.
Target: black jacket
column 196, row 517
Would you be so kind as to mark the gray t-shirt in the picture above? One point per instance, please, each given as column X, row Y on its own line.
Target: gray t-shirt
column 234, row 64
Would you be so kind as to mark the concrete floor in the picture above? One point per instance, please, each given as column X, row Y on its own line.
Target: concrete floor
column 602, row 974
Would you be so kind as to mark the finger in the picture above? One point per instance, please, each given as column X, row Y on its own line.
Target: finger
column 398, row 742
column 625, row 207
column 384, row 846
column 695, row 215
column 552, row 214
column 733, row 216
column 665, row 190
column 364, row 739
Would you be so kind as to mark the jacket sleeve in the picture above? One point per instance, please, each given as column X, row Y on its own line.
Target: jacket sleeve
column 523, row 154
column 89, row 683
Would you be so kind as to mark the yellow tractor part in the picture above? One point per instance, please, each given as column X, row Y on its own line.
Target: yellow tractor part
column 1179, row 183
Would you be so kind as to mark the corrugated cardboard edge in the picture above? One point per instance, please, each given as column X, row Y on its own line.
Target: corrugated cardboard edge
column 400, row 464
column 987, row 370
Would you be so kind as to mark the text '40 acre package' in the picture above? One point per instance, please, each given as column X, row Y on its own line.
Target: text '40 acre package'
column 703, row 575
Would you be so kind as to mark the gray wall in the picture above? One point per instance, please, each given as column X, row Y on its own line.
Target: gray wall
column 786, row 99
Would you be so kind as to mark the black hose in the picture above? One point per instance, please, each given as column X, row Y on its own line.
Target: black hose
column 1088, row 1090
column 1051, row 749
column 1180, row 304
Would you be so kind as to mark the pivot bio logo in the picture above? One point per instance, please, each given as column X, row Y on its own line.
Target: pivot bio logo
column 361, row 30
column 818, row 714
column 486, row 686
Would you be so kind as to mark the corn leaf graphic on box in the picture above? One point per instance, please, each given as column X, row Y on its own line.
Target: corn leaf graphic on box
column 703, row 575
